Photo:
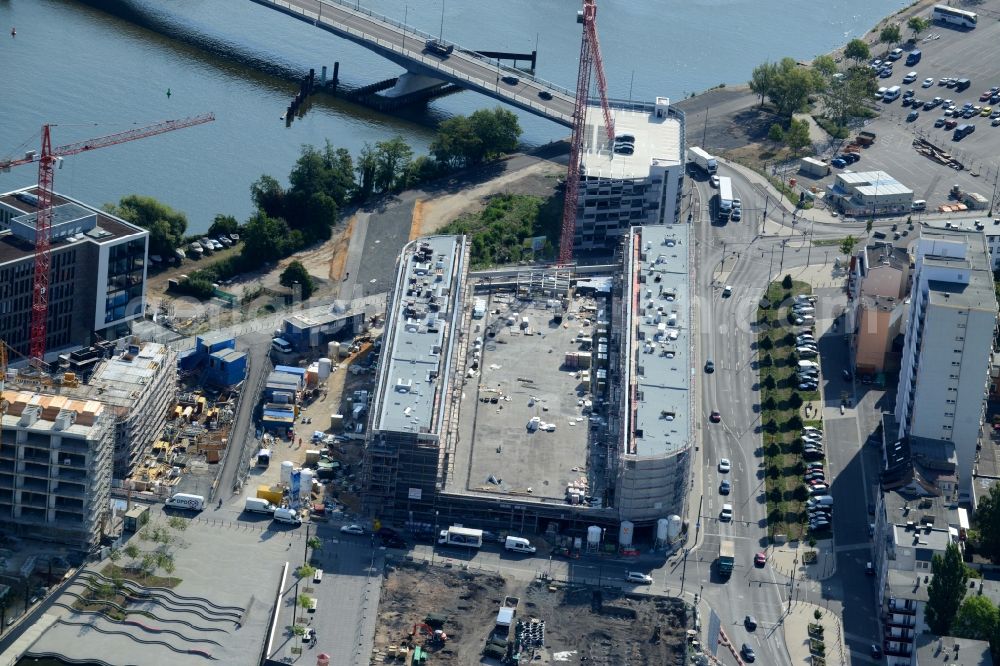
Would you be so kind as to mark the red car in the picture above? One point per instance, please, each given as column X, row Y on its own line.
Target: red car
column 715, row 417
column 985, row 96
column 760, row 559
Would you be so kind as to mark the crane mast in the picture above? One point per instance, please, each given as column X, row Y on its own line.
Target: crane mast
column 590, row 61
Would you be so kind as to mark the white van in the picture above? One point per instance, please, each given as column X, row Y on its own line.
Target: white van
column 186, row 501
column 518, row 545
column 890, row 94
column 919, row 204
column 258, row 505
column 288, row 516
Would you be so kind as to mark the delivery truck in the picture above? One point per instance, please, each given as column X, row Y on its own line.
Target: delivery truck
column 702, row 160
column 461, row 536
column 186, row 501
column 727, row 557
column 518, row 545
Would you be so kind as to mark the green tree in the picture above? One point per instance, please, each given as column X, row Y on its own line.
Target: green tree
column 890, row 34
column 945, row 592
column 845, row 98
column 797, row 136
column 987, row 520
column 868, row 225
column 166, row 226
column 791, row 85
column 393, row 157
column 776, row 134
column 366, row 165
column 847, row 244
column 977, row 619
column 455, row 142
column 266, row 239
column 857, row 50
column 296, row 272
column 498, row 130
column 224, row 225
column 421, row 170
column 917, row 24
column 825, row 65
column 305, row 571
column 786, row 281
column 268, row 196
column 761, row 80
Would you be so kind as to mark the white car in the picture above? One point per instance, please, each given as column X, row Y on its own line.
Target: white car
column 352, row 529
column 714, row 180
column 639, row 577
column 725, row 465
column 727, row 512
column 928, row 82
column 910, row 78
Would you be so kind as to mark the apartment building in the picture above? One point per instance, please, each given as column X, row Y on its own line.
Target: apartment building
column 910, row 529
column 657, row 435
column 878, row 285
column 944, row 374
column 629, row 183
column 98, row 275
column 55, row 467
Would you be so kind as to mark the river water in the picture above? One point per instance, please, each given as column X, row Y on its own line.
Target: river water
column 95, row 67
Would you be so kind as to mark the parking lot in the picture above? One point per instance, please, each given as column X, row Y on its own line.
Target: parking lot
column 946, row 53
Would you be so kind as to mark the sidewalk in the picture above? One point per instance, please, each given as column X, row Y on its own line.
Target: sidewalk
column 789, row 559
column 797, row 638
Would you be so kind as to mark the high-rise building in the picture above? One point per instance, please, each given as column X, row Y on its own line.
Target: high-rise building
column 944, row 375
column 635, row 180
column 98, row 277
column 55, row 467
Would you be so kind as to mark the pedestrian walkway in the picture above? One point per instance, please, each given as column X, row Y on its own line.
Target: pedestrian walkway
column 791, row 558
column 798, row 621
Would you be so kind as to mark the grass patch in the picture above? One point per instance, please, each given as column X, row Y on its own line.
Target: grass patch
column 501, row 232
column 824, row 242
column 781, row 401
column 830, row 127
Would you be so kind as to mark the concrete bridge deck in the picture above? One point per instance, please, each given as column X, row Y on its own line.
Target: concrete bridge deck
column 404, row 45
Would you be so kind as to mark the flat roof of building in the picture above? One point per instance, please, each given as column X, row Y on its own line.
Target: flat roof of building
column 531, row 367
column 421, row 325
column 872, row 183
column 108, row 227
column 657, row 141
column 979, row 293
column 902, row 508
column 230, row 624
column 947, row 650
column 907, row 584
column 659, row 357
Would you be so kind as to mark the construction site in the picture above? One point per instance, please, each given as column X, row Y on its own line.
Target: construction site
column 436, row 615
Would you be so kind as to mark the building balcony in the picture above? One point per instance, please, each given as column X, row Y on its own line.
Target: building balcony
column 34, row 485
column 70, row 490
column 897, row 649
column 36, row 470
column 68, row 474
column 902, row 606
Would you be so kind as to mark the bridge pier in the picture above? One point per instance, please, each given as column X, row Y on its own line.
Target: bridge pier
column 409, row 83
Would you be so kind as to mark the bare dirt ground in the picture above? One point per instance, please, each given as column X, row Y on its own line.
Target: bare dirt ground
column 540, row 179
column 581, row 625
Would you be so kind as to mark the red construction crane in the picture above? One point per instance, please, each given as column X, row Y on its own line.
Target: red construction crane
column 43, row 218
column 590, row 59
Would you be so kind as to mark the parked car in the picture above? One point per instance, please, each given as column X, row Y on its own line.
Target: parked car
column 912, row 115
column 639, row 577
column 851, row 157
column 928, row 82
column 910, row 77
column 838, row 162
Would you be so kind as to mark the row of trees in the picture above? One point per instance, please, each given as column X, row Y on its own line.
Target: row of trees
column 322, row 182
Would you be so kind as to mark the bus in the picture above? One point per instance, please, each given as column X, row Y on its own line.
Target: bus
column 957, row 17
column 725, row 198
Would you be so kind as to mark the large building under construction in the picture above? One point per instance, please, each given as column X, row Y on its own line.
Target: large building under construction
column 636, row 179
column 532, row 397
column 98, row 276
